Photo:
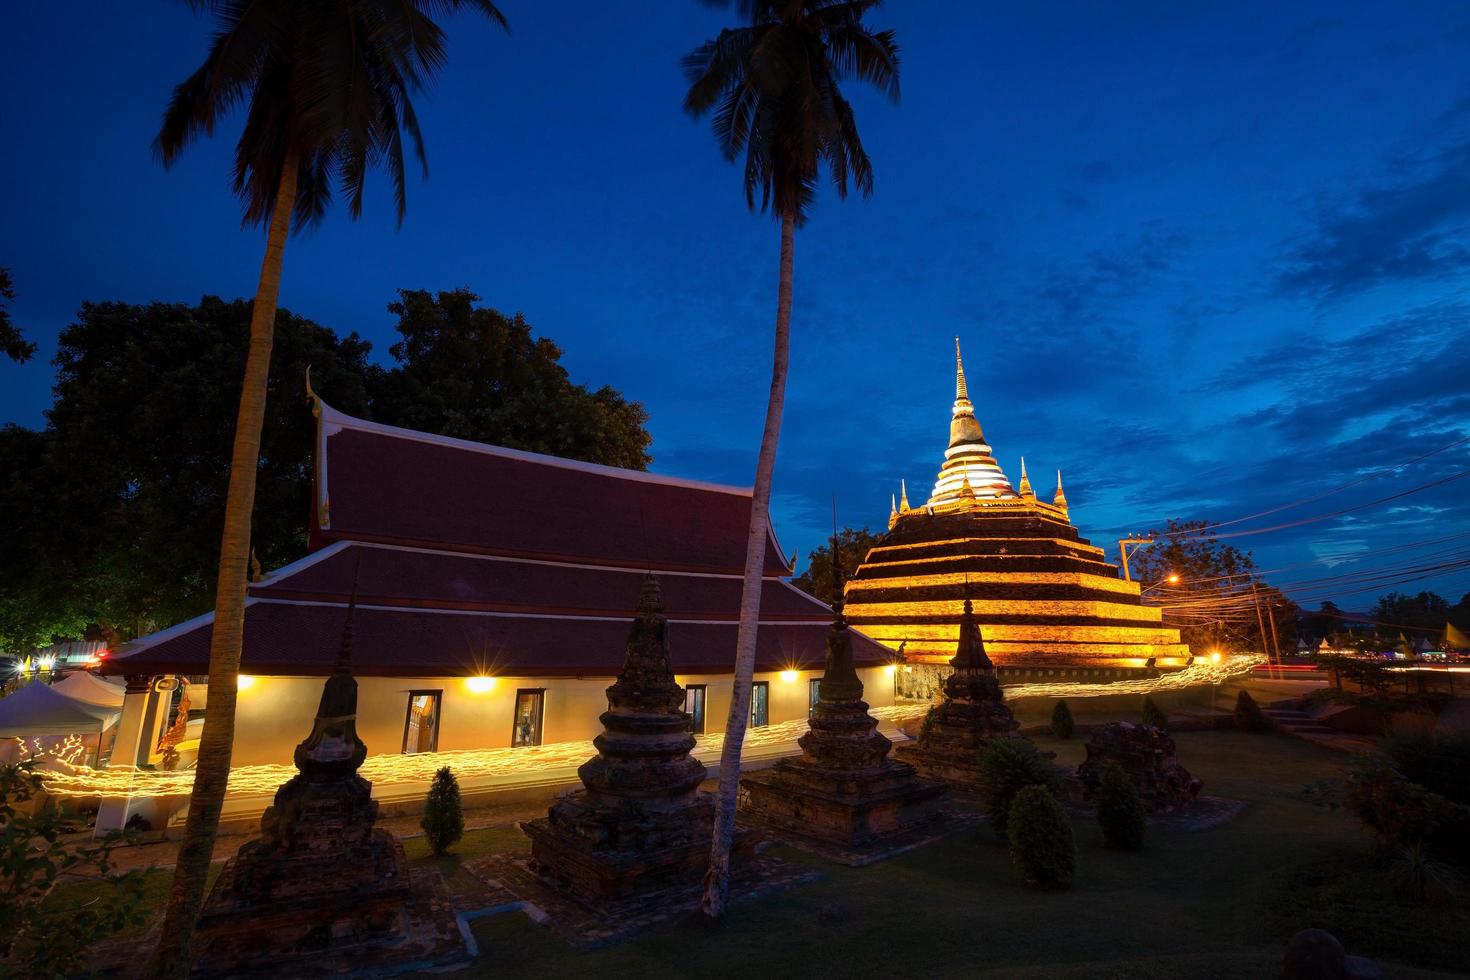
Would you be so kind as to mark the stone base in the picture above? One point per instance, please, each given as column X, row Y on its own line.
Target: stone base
column 363, row 936
column 600, row 855
column 850, row 810
column 960, row 770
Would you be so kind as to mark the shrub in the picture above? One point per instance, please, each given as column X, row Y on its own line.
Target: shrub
column 1441, row 764
column 1399, row 811
column 1041, row 841
column 1120, row 810
column 46, row 933
column 1061, row 721
column 1153, row 715
column 1007, row 766
column 1248, row 716
column 443, row 820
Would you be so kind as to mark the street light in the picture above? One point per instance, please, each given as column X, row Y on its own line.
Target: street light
column 1171, row 579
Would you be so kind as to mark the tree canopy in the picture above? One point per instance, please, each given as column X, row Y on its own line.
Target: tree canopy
column 114, row 508
column 817, row 579
column 12, row 344
column 472, row 372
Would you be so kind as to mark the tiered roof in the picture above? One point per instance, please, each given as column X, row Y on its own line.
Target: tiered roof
column 473, row 559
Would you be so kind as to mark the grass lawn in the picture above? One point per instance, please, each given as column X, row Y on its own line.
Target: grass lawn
column 1220, row 903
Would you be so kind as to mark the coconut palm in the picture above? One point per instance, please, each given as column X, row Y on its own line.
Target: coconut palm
column 327, row 89
column 773, row 86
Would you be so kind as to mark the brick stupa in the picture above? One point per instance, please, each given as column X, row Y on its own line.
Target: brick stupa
column 844, row 793
column 323, row 891
column 640, row 823
column 973, row 711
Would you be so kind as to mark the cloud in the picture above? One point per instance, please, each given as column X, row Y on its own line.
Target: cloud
column 1417, row 228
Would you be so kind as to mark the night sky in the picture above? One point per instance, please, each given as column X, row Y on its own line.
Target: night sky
column 1208, row 258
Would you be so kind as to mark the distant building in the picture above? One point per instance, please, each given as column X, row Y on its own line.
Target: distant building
column 1045, row 597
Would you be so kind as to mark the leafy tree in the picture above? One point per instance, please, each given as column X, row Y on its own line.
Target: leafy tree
column 852, row 545
column 44, row 934
column 1041, row 840
column 773, row 85
column 12, row 343
column 1007, row 766
column 443, row 819
column 1328, row 619
column 1212, row 602
column 1120, row 810
column 327, row 87
column 473, row 373
column 1424, row 614
column 1062, row 725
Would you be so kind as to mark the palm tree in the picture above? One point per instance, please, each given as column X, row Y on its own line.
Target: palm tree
column 327, row 87
column 773, row 87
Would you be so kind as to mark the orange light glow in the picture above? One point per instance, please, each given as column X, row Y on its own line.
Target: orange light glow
column 480, row 685
column 788, row 676
column 244, row 682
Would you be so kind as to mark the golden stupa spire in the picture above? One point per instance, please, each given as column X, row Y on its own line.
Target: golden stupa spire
column 1060, row 498
column 892, row 511
column 961, row 393
column 903, row 497
column 1024, row 489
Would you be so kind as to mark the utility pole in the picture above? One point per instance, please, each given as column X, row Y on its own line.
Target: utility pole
column 1260, row 623
column 1123, row 544
column 1275, row 637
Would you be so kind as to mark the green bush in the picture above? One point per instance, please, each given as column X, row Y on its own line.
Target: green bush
column 1153, row 715
column 1441, row 764
column 1120, row 810
column 1041, row 841
column 1062, row 725
column 1248, row 716
column 443, row 820
column 1007, row 766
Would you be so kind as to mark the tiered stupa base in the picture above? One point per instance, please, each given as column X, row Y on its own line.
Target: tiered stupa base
column 1146, row 754
column 856, row 816
column 601, row 855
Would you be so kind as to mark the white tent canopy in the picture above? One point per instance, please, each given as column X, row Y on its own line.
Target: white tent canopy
column 90, row 688
column 40, row 709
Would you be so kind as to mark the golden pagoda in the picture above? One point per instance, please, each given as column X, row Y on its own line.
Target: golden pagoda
column 1043, row 596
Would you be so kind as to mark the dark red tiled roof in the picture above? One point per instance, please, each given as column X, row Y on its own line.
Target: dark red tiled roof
column 397, row 486
column 302, row 639
column 394, row 576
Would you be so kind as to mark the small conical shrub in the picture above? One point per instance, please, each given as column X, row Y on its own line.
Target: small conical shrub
column 443, row 820
column 1007, row 766
column 1041, row 841
column 1120, row 810
column 1061, row 721
column 1153, row 715
column 1248, row 716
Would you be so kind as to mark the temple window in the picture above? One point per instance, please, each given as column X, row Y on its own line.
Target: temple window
column 530, row 706
column 814, row 689
column 760, row 704
column 694, row 704
column 421, row 729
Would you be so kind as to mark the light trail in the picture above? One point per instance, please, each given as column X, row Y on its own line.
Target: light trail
column 528, row 763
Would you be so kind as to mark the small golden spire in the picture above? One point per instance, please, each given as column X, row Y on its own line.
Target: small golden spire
column 961, row 393
column 892, row 511
column 968, row 492
column 903, row 498
column 1024, row 489
column 1060, row 498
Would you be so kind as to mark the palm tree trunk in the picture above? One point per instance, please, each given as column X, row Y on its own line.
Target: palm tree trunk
column 172, row 958
column 717, row 879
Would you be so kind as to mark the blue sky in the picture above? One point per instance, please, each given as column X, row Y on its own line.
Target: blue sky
column 1208, row 258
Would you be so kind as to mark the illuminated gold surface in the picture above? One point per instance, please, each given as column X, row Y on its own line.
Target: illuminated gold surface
column 1097, row 583
column 1003, row 607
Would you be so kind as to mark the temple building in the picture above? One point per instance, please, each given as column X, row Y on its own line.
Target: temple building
column 494, row 593
column 1043, row 596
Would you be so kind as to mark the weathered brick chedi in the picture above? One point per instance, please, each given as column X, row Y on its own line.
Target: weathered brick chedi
column 843, row 791
column 322, row 889
column 1147, row 756
column 641, row 822
column 973, row 710
column 1044, row 595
